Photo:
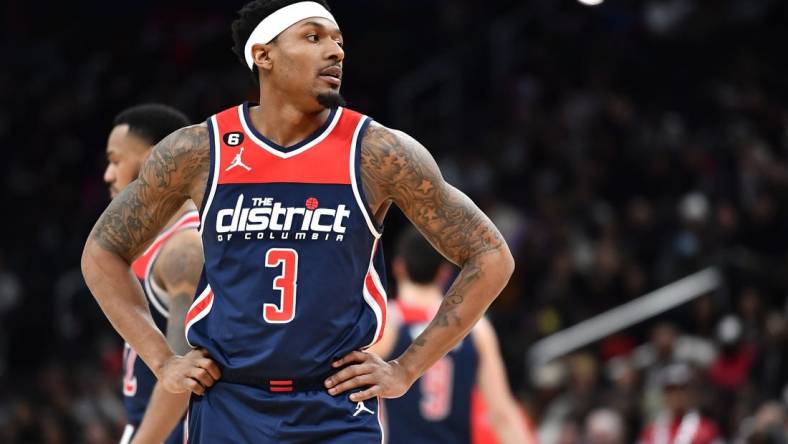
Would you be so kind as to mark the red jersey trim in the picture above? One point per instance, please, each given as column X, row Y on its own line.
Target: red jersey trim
column 200, row 308
column 375, row 296
column 249, row 160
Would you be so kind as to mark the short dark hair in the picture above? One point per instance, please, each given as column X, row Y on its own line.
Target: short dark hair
column 151, row 122
column 422, row 261
column 249, row 17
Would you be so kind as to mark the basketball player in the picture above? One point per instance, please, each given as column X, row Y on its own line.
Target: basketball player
column 292, row 291
column 437, row 408
column 168, row 271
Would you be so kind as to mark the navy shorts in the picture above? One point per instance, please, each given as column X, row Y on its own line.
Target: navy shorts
column 239, row 413
column 176, row 437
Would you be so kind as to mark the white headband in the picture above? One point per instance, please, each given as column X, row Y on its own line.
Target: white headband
column 281, row 19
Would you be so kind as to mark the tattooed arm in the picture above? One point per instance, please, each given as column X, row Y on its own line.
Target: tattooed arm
column 176, row 169
column 397, row 169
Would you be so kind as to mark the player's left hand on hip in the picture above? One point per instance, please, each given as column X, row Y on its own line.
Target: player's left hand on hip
column 364, row 369
column 193, row 372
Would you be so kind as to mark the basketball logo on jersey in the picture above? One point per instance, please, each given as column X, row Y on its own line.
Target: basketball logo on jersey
column 238, row 162
column 361, row 408
column 267, row 219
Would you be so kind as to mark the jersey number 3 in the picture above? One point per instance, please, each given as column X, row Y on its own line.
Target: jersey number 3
column 286, row 283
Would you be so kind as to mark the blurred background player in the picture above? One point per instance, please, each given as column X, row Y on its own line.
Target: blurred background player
column 438, row 407
column 168, row 271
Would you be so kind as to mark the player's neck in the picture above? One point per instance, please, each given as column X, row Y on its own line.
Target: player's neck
column 424, row 296
column 284, row 122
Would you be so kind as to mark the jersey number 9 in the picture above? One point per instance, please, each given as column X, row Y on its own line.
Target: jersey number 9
column 436, row 386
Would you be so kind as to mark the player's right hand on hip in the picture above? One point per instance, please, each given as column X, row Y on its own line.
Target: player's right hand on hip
column 193, row 372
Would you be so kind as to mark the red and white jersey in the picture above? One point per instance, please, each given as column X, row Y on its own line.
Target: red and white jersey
column 143, row 266
column 138, row 380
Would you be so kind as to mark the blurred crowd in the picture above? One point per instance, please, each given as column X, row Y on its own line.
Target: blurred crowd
column 618, row 148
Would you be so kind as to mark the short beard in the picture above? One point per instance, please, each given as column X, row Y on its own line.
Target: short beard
column 331, row 99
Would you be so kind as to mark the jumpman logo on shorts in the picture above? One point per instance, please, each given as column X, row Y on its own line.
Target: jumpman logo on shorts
column 360, row 407
column 238, row 162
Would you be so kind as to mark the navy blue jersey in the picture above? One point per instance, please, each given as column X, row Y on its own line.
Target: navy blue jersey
column 293, row 276
column 437, row 408
column 138, row 379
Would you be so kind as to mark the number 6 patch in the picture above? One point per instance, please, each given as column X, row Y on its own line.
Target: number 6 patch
column 233, row 139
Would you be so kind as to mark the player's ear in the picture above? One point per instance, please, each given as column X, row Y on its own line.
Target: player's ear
column 398, row 268
column 261, row 54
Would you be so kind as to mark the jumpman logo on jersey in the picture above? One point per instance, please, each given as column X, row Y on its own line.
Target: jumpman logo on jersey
column 238, row 162
column 360, row 407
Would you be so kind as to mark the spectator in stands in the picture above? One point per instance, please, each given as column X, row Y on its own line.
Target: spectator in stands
column 624, row 395
column 10, row 295
column 769, row 425
column 579, row 398
column 731, row 368
column 667, row 345
column 729, row 372
column 770, row 372
column 680, row 421
column 604, row 426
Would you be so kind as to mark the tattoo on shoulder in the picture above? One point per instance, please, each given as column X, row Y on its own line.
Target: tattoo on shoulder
column 396, row 167
column 173, row 172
